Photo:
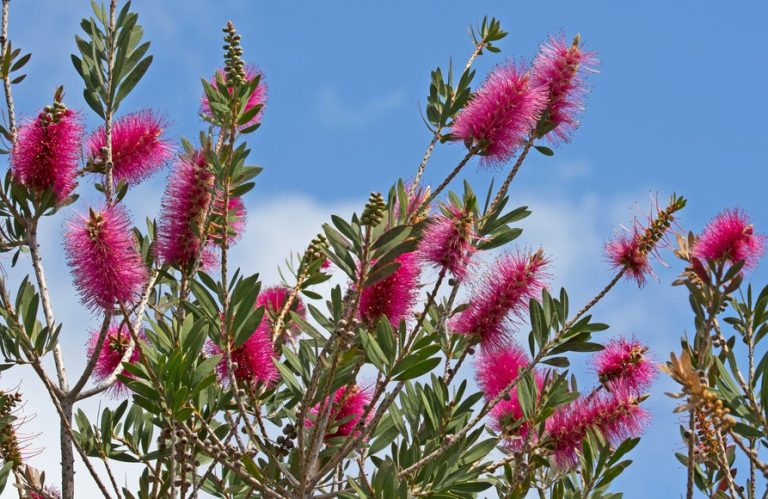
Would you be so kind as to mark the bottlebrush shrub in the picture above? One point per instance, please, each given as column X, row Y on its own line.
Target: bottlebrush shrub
column 724, row 382
column 238, row 389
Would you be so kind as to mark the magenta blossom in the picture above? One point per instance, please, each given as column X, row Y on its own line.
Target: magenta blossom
column 559, row 69
column 625, row 362
column 116, row 343
column 512, row 281
column 626, row 252
column 616, row 414
column 103, row 255
column 730, row 237
column 257, row 97
column 393, row 296
column 447, row 242
column 47, row 151
column 252, row 361
column 495, row 370
column 184, row 207
column 138, row 149
column 500, row 114
column 348, row 406
column 273, row 300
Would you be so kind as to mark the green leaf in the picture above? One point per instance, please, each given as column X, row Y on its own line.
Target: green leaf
column 418, row 369
column 289, row 378
column 380, row 271
column 20, row 62
column 546, row 151
column 373, row 351
column 131, row 80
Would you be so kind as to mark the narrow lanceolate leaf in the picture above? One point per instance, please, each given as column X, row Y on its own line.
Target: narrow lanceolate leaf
column 132, row 79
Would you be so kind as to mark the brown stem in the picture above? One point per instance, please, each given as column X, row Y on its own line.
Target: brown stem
column 94, row 356
column 508, row 181
column 423, row 164
column 470, row 153
column 108, row 187
column 7, row 78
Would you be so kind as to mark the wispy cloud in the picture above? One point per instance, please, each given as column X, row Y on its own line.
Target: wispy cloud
column 337, row 111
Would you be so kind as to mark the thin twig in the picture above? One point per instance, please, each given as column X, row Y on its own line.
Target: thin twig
column 511, row 176
column 108, row 187
column 470, row 153
column 94, row 356
column 135, row 326
column 7, row 78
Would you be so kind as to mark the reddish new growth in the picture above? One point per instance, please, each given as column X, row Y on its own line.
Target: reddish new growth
column 730, row 237
column 393, row 296
column 616, row 414
column 495, row 370
column 559, row 68
column 257, row 98
column 252, row 362
column 138, row 150
column 185, row 206
column 273, row 300
column 447, row 242
column 47, row 150
column 500, row 114
column 625, row 362
column 103, row 255
column 49, row 492
column 116, row 343
column 626, row 252
column 509, row 285
column 348, row 405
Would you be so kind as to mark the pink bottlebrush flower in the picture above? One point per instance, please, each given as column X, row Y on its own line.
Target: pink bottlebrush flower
column 138, row 149
column 625, row 362
column 115, row 344
column 495, row 370
column 102, row 252
column 447, row 242
column 625, row 252
column 393, row 296
column 349, row 404
column 616, row 414
column 730, row 237
column 47, row 151
column 559, row 69
column 506, row 290
column 253, row 359
column 257, row 97
column 184, row 207
column 501, row 113
column 273, row 300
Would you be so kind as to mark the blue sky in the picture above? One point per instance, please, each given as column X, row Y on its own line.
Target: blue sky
column 677, row 106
